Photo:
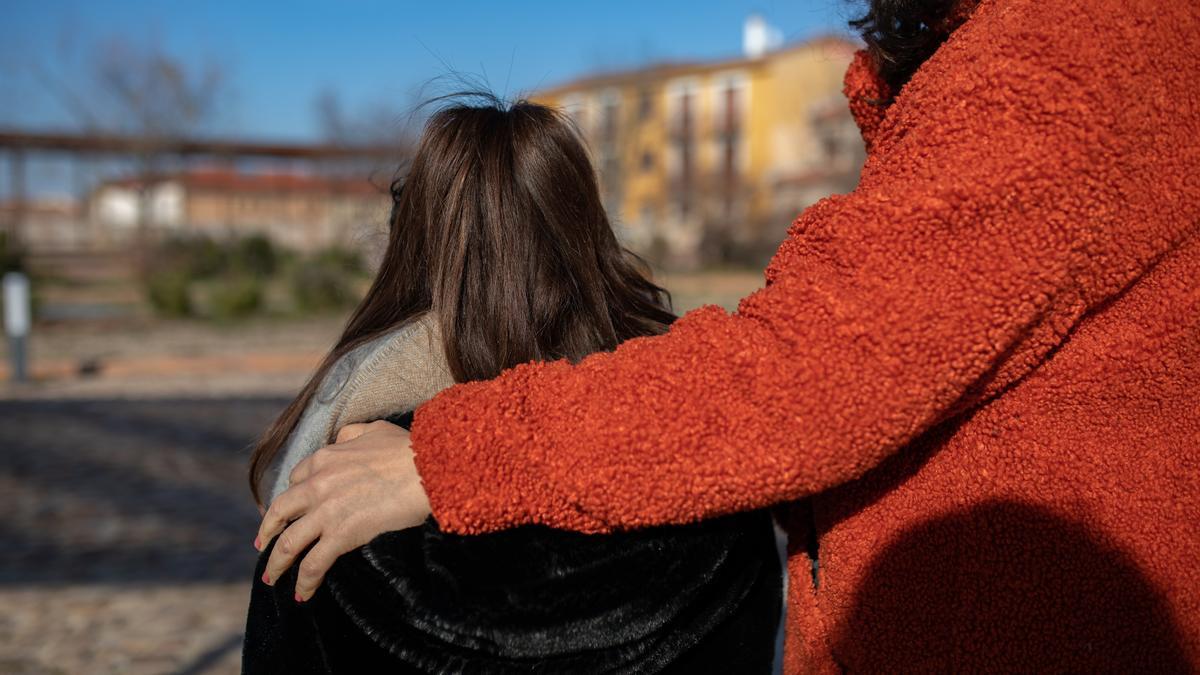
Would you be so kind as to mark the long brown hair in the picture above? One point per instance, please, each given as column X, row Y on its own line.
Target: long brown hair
column 498, row 228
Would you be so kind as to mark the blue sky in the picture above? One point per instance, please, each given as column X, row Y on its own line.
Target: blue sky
column 278, row 56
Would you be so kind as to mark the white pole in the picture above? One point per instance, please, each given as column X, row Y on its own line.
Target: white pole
column 17, row 321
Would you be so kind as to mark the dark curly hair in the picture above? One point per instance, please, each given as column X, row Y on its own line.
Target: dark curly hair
column 901, row 34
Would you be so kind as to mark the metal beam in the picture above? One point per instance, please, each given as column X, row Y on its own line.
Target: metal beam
column 117, row 144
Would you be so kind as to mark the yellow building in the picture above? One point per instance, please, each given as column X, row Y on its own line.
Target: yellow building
column 709, row 162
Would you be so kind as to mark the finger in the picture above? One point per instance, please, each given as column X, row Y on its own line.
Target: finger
column 322, row 461
column 315, row 564
column 295, row 538
column 288, row 506
column 303, row 469
column 351, row 432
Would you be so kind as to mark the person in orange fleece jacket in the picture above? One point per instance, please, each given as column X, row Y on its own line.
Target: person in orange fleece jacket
column 971, row 387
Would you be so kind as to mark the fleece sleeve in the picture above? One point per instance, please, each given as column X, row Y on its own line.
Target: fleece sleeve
column 1029, row 172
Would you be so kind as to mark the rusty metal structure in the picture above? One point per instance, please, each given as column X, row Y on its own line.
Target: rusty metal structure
column 20, row 145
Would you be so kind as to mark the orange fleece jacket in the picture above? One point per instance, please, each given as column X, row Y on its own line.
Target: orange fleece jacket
column 975, row 380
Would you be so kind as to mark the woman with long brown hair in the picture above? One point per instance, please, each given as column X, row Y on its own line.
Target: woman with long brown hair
column 500, row 253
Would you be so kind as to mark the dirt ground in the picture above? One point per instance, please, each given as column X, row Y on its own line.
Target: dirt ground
column 128, row 530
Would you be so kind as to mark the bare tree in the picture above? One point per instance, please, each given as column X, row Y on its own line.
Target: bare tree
column 138, row 89
column 380, row 124
column 157, row 94
column 157, row 97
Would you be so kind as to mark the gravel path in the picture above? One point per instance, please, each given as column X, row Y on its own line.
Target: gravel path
column 128, row 530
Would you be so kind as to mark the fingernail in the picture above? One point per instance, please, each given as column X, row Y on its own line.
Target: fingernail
column 298, row 598
column 257, row 545
column 266, row 579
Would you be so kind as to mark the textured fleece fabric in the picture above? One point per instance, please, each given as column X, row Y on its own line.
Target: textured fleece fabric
column 975, row 380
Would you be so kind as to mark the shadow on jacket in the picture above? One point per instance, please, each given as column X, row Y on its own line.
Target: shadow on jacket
column 1014, row 588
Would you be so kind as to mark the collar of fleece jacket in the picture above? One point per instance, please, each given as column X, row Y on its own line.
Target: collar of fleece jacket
column 869, row 96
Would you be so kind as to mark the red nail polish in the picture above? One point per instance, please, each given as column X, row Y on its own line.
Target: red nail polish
column 257, row 546
column 266, row 579
column 298, row 598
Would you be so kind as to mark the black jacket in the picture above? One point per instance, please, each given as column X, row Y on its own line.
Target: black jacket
column 696, row 598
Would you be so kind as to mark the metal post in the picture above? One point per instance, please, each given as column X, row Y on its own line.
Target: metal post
column 16, row 321
column 19, row 199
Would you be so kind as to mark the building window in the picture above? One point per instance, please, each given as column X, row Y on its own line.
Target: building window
column 610, row 111
column 645, row 104
column 576, row 108
column 681, row 104
column 729, row 104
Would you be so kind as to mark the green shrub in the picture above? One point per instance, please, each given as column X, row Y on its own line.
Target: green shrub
column 168, row 292
column 318, row 287
column 205, row 258
column 198, row 256
column 235, row 298
column 342, row 259
column 254, row 255
column 229, row 279
column 327, row 279
column 237, row 268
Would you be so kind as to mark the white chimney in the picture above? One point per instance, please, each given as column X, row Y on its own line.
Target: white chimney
column 759, row 37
